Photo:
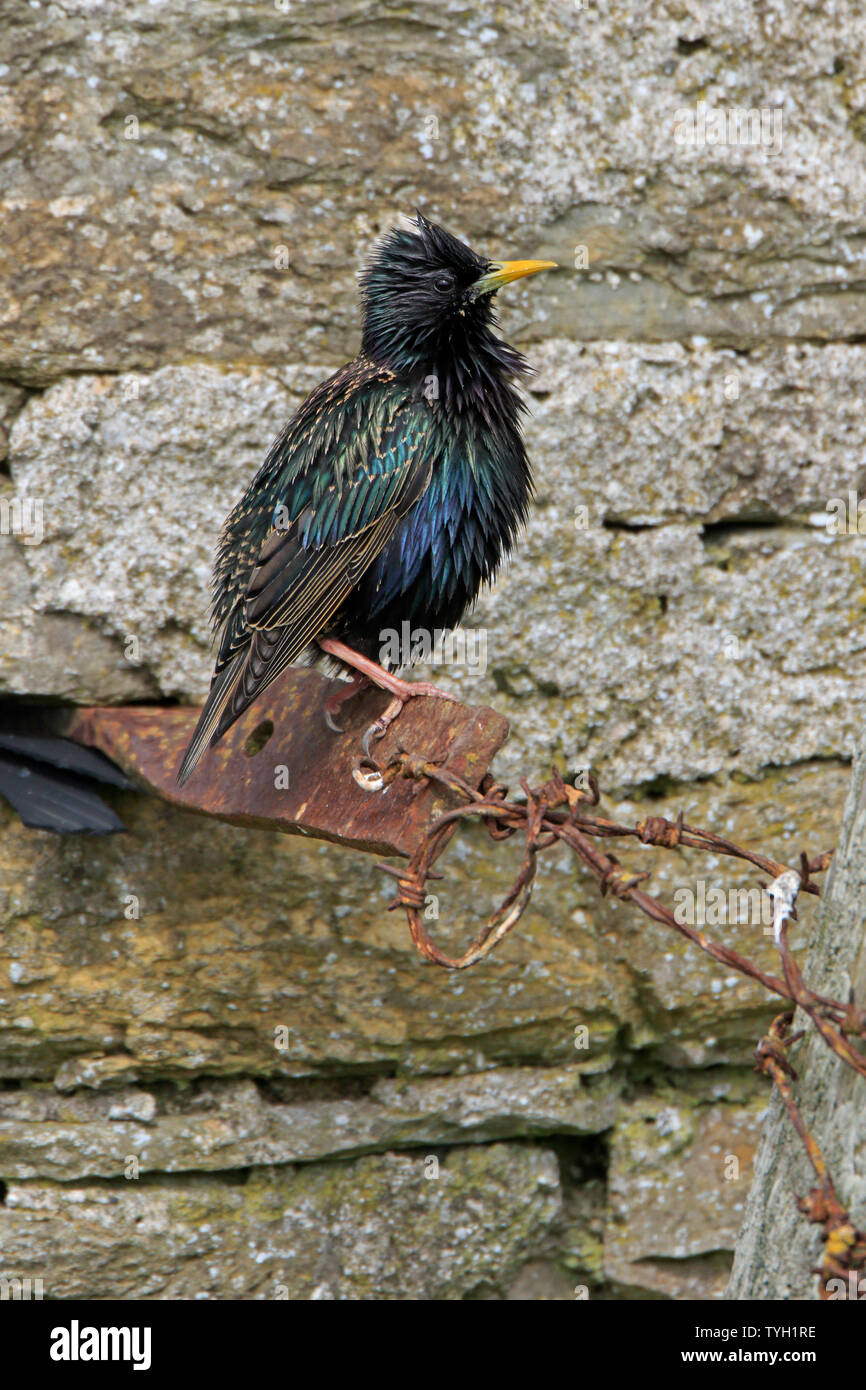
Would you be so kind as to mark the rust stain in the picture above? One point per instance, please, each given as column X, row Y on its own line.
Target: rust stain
column 299, row 779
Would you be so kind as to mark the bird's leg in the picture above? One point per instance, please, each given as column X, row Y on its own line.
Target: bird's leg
column 400, row 689
column 403, row 690
column 377, row 730
column 348, row 689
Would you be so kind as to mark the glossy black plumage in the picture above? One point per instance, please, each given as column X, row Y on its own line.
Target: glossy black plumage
column 393, row 493
column 52, row 782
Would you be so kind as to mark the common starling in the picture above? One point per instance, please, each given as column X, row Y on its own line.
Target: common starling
column 391, row 496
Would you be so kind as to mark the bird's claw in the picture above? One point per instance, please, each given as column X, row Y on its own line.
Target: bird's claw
column 332, row 723
column 376, row 731
column 369, row 777
column 372, row 780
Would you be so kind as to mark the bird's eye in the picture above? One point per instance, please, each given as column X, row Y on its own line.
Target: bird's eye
column 443, row 283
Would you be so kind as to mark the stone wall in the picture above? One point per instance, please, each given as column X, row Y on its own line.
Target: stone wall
column 777, row 1251
column 187, row 192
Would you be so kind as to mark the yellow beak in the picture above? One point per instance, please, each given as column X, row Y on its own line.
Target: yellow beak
column 503, row 272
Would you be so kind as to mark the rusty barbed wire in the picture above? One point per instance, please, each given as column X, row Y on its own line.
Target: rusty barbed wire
column 557, row 813
column 844, row 1245
column 554, row 813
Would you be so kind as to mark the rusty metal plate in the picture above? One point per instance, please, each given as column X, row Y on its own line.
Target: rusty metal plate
column 298, row 778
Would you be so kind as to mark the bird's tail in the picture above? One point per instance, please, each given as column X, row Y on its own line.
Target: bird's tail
column 207, row 729
column 244, row 678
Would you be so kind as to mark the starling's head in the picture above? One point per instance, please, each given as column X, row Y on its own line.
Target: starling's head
column 428, row 295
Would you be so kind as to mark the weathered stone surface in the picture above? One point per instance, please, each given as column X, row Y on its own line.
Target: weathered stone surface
column 581, row 1244
column 540, row 1281
column 216, row 1126
column 641, row 434
column 152, row 175
column 11, row 400
column 777, row 1250
column 680, row 1171
column 681, row 648
column 246, row 943
column 664, row 1227
column 58, row 654
column 695, row 646
column 328, row 1231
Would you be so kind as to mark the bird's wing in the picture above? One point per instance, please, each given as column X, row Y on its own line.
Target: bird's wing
column 49, row 780
column 331, row 524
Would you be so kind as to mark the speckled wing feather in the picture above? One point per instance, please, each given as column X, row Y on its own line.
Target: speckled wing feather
column 333, row 489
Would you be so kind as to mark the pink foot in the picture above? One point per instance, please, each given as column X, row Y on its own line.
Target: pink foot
column 347, row 691
column 371, row 671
